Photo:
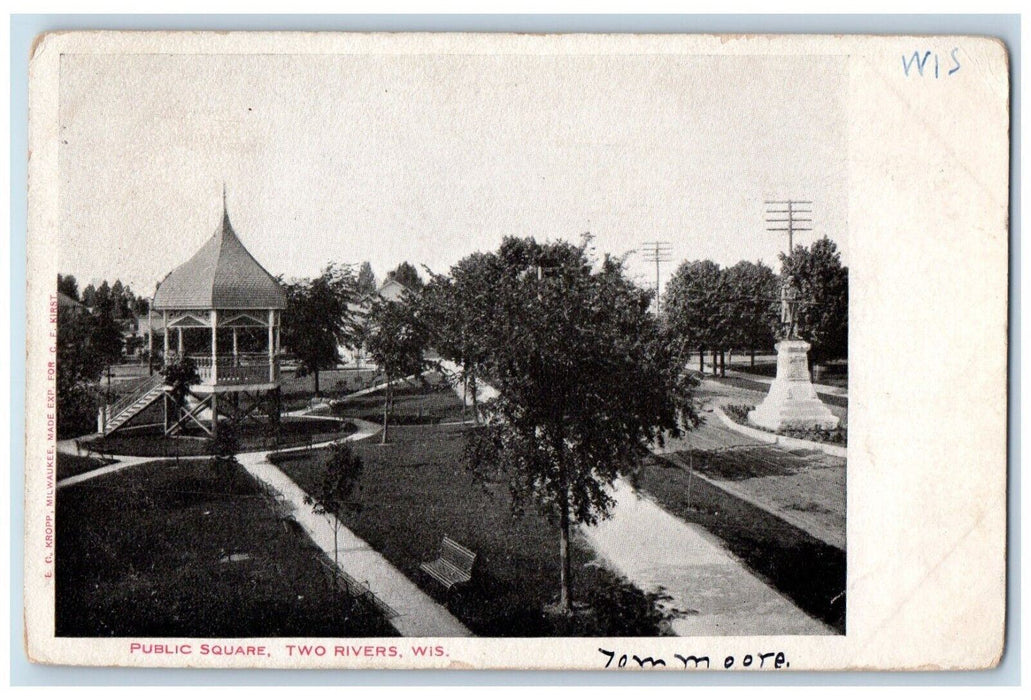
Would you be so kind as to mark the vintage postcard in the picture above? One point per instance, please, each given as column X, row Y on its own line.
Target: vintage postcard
column 422, row 351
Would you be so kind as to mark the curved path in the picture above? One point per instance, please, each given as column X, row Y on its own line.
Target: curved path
column 417, row 614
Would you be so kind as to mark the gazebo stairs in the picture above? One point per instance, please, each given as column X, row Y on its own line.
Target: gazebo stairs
column 123, row 410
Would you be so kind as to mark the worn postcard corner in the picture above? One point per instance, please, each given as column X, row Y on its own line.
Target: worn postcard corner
column 656, row 353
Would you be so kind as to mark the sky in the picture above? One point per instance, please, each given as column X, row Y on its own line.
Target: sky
column 428, row 158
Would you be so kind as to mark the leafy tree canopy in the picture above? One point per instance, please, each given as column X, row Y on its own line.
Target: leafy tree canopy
column 317, row 320
column 406, row 274
column 89, row 295
column 694, row 305
column 366, row 279
column 67, row 284
column 751, row 309
column 584, row 374
column 397, row 342
column 340, row 481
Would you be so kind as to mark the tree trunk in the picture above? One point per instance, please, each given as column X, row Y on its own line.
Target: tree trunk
column 336, row 550
column 465, row 397
column 752, row 357
column 715, row 363
column 476, row 410
column 723, row 364
column 565, row 602
column 386, row 404
column 317, row 392
column 701, row 360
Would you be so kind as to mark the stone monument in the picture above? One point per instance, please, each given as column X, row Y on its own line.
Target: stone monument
column 792, row 401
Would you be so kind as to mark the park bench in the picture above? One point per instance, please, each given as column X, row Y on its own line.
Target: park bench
column 454, row 565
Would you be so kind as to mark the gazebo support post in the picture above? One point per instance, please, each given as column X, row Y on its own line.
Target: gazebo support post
column 214, row 372
column 271, row 345
column 164, row 323
column 181, row 344
column 214, row 347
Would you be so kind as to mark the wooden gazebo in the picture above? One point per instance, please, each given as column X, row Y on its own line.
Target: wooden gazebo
column 224, row 309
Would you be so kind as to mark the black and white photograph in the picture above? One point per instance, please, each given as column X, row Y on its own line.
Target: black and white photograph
column 361, row 345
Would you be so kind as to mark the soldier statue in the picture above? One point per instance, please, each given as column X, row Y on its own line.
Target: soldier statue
column 789, row 309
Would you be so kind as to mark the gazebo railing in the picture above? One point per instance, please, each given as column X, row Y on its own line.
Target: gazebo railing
column 243, row 368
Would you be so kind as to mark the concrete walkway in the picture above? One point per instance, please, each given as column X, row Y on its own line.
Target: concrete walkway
column 418, row 615
column 716, row 593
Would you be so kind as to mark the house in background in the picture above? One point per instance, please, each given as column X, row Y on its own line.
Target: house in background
column 391, row 290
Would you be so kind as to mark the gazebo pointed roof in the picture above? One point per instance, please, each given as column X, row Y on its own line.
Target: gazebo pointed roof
column 221, row 275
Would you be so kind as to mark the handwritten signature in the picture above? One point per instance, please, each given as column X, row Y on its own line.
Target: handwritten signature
column 763, row 660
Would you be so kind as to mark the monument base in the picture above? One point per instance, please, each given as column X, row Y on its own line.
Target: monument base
column 792, row 402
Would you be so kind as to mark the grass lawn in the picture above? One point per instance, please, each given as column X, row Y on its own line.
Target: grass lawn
column 414, row 404
column 808, row 571
column 161, row 550
column 252, row 437
column 333, row 383
column 415, row 490
column 73, row 465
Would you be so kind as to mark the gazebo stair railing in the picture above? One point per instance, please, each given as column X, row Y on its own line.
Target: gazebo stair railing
column 117, row 414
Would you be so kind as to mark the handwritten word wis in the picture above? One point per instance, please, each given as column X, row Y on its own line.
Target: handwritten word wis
column 930, row 63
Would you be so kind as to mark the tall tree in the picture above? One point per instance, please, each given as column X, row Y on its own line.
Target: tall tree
column 454, row 311
column 366, row 279
column 78, row 369
column 102, row 297
column 751, row 307
column 822, row 283
column 120, row 297
column 140, row 306
column 694, row 307
column 584, row 376
column 397, row 343
column 89, row 296
column 406, row 274
column 106, row 334
column 66, row 284
column 317, row 320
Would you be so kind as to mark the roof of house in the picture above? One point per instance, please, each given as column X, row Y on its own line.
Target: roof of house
column 65, row 300
column 221, row 275
column 392, row 290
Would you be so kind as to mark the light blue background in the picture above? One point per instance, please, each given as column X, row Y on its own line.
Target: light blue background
column 25, row 27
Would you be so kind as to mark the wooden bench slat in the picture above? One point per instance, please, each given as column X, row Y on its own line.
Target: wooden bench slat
column 453, row 566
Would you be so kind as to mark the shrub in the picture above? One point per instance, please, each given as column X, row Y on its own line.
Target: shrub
column 839, row 436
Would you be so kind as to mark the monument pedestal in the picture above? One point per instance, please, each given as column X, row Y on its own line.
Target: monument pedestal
column 792, row 402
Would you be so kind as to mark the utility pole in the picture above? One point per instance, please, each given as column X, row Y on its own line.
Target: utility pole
column 789, row 216
column 150, row 337
column 657, row 252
